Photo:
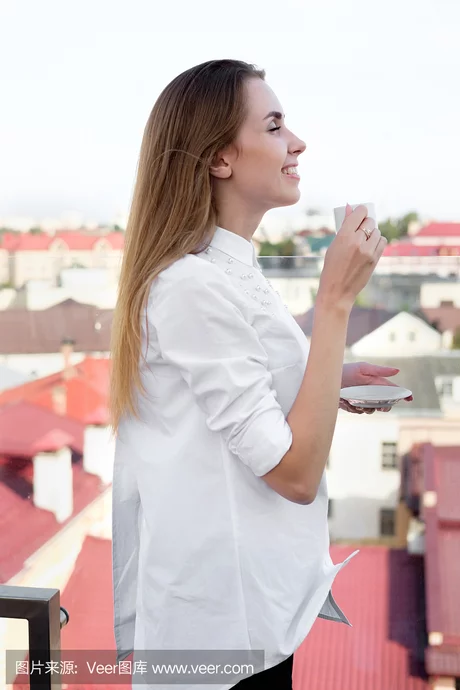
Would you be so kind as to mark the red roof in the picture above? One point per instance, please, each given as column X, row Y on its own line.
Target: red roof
column 26, row 428
column 29, row 424
column 96, row 370
column 53, row 441
column 67, row 240
column 408, row 249
column 440, row 230
column 25, row 528
column 100, row 415
column 448, row 459
column 86, row 392
column 442, row 557
column 14, row 242
column 379, row 591
column 88, row 599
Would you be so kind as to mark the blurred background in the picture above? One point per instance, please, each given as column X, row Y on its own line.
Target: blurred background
column 371, row 89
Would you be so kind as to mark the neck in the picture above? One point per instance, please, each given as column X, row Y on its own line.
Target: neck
column 241, row 221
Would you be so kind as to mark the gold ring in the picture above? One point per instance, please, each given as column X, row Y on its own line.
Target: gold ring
column 368, row 233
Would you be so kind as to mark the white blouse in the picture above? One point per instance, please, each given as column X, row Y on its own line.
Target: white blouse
column 205, row 554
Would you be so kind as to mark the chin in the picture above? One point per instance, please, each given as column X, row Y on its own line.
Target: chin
column 287, row 199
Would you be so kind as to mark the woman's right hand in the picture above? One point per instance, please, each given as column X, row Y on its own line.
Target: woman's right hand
column 350, row 259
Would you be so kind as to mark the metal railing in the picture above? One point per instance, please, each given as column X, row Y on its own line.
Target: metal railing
column 41, row 608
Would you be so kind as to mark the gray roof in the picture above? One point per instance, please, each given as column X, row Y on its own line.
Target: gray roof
column 39, row 331
column 362, row 321
column 418, row 374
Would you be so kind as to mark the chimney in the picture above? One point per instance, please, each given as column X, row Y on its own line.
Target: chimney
column 413, row 228
column 59, row 400
column 99, row 446
column 67, row 345
column 53, row 482
column 447, row 338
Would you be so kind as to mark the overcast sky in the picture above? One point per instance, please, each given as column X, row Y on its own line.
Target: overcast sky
column 372, row 87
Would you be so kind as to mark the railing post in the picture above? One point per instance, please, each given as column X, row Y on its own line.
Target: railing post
column 41, row 608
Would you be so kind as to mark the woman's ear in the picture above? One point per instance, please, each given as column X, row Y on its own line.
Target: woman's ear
column 221, row 166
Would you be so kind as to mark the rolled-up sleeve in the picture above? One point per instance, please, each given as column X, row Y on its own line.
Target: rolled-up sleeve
column 202, row 330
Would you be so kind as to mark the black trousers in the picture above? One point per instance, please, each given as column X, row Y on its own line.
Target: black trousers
column 279, row 677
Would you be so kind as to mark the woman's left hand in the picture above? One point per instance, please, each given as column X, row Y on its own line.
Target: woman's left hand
column 364, row 374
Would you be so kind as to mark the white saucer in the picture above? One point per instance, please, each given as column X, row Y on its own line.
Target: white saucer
column 374, row 396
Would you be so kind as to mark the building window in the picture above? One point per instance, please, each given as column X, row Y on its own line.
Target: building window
column 389, row 456
column 412, row 336
column 445, row 388
column 330, row 509
column 392, row 336
column 387, row 522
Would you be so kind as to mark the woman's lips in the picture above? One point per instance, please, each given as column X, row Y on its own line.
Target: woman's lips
column 293, row 176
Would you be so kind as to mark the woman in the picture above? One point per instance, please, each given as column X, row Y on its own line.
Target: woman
column 220, row 537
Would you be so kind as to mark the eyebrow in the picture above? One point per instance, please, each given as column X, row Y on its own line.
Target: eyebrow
column 274, row 113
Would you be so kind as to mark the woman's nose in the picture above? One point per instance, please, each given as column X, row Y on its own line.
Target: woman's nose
column 297, row 146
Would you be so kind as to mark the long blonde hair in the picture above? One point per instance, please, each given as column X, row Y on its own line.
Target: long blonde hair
column 173, row 211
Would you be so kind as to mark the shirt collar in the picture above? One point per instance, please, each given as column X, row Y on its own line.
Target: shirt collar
column 235, row 246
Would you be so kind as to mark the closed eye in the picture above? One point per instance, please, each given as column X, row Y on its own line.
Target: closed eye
column 274, row 129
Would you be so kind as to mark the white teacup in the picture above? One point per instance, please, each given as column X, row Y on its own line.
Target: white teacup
column 339, row 214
